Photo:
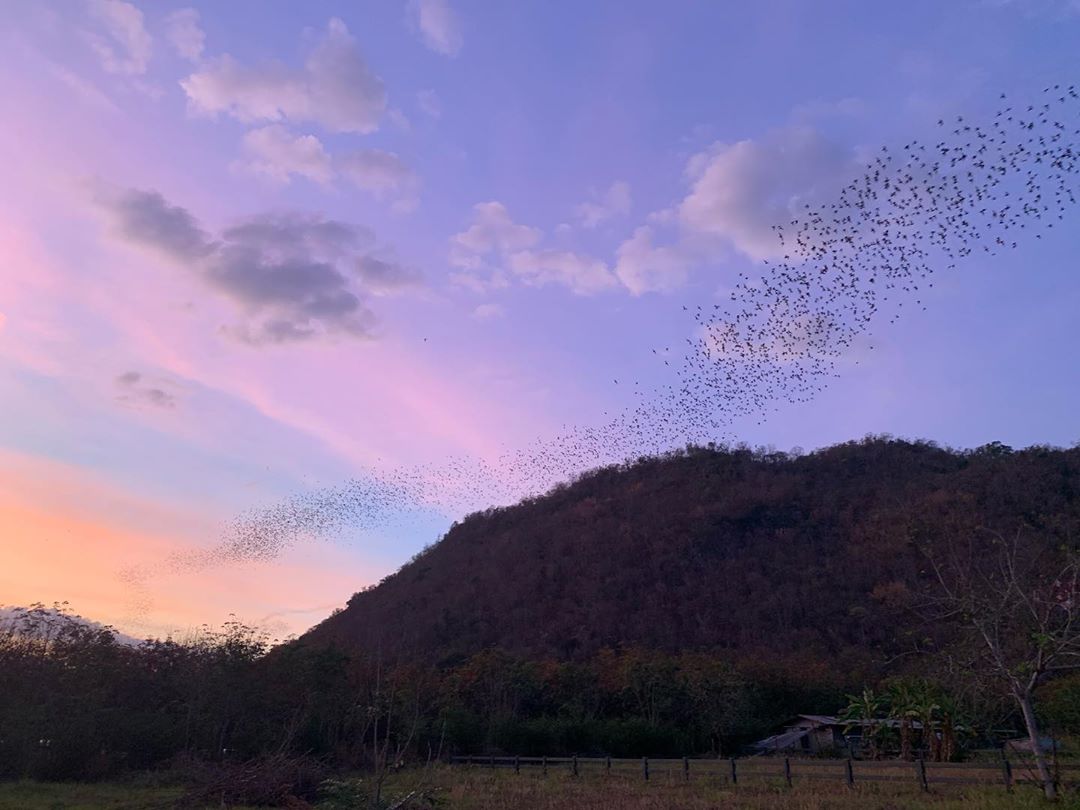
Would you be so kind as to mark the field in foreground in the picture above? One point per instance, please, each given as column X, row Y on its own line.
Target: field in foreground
column 463, row 789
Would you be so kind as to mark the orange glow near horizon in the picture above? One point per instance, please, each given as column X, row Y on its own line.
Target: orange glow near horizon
column 66, row 537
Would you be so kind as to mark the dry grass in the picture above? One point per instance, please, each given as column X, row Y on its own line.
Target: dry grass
column 481, row 789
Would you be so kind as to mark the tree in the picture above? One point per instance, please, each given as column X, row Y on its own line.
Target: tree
column 864, row 711
column 1014, row 607
column 902, row 698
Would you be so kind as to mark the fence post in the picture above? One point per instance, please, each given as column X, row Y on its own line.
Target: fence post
column 607, row 764
column 787, row 770
column 543, row 762
column 1006, row 771
column 574, row 765
column 491, row 761
column 920, row 768
column 517, row 764
column 686, row 768
column 645, row 767
column 850, row 773
column 734, row 773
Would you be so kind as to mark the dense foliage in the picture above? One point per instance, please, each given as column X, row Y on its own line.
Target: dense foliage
column 675, row 606
column 799, row 559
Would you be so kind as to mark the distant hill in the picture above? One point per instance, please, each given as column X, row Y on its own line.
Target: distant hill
column 750, row 553
column 46, row 620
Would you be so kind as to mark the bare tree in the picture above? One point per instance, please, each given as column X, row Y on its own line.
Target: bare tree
column 1015, row 605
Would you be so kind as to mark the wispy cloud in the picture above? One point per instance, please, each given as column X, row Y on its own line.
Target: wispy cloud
column 438, row 25
column 123, row 44
column 614, row 202
column 185, row 33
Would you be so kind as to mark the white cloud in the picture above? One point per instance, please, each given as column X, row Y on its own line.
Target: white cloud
column 273, row 152
column 335, row 88
column 740, row 191
column 438, row 25
column 278, row 155
column 185, row 34
column 486, row 312
column 643, row 267
column 612, row 203
column 492, row 231
column 582, row 274
column 126, row 46
column 429, row 103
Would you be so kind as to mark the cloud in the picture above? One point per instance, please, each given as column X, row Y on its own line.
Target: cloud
column 612, row 203
column 135, row 393
column 478, row 282
column 276, row 154
column 584, row 275
column 385, row 277
column 494, row 241
column 378, row 172
column 438, row 25
column 273, row 152
column 740, row 191
column 486, row 312
column 283, row 270
column 185, row 34
column 146, row 219
column 86, row 91
column 492, row 230
column 429, row 103
column 294, row 276
column 642, row 267
column 126, row 46
column 334, row 88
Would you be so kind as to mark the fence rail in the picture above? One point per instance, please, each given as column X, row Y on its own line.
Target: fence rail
column 920, row 772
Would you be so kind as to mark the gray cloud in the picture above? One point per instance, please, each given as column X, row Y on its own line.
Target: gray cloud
column 133, row 392
column 384, row 277
column 378, row 171
column 294, row 276
column 146, row 219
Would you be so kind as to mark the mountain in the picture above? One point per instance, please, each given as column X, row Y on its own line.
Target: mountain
column 756, row 554
column 38, row 620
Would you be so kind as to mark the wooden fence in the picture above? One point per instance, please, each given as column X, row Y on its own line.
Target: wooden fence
column 733, row 771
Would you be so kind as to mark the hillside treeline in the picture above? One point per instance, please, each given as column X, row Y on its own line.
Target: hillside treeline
column 756, row 554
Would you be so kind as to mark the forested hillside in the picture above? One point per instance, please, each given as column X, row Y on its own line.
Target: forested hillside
column 761, row 556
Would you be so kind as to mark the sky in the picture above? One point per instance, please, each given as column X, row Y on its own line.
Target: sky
column 255, row 249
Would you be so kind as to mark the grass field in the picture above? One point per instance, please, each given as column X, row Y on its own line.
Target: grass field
column 476, row 789
column 480, row 789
